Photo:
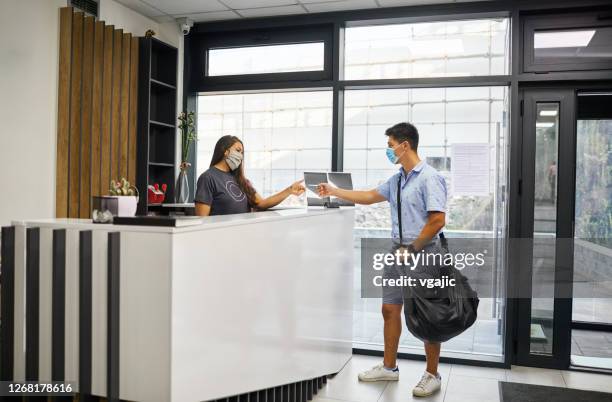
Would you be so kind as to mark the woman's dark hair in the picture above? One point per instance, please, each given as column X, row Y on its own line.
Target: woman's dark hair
column 223, row 144
column 404, row 132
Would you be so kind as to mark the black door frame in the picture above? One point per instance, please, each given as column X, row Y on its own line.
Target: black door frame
column 560, row 357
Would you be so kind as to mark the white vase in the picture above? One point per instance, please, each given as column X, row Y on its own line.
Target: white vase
column 126, row 205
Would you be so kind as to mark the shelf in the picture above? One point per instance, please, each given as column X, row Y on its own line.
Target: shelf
column 159, row 123
column 162, row 84
column 161, row 164
column 163, row 59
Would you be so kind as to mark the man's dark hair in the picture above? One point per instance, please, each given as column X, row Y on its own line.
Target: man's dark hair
column 404, row 132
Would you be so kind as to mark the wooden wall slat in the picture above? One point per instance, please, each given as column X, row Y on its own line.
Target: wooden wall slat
column 85, row 152
column 96, row 109
column 116, row 104
column 109, row 34
column 63, row 113
column 132, row 142
column 75, row 115
column 125, row 105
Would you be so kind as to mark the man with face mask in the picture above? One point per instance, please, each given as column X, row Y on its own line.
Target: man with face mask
column 422, row 190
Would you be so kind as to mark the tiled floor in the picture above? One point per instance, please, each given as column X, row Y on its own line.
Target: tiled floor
column 459, row 383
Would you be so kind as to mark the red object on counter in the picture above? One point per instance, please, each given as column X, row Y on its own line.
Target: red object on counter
column 155, row 195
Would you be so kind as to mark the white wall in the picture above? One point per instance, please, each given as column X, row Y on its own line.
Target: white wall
column 29, row 33
column 29, row 44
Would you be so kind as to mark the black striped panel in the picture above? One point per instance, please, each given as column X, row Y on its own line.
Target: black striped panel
column 310, row 389
column 305, row 391
column 295, row 392
column 58, row 309
column 112, row 346
column 7, row 303
column 32, row 303
column 85, row 318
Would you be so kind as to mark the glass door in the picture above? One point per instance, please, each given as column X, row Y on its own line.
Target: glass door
column 544, row 262
column 592, row 289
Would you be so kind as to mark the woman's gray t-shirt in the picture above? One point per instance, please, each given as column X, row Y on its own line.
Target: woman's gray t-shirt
column 221, row 191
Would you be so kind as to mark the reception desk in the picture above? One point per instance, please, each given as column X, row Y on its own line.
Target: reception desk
column 239, row 304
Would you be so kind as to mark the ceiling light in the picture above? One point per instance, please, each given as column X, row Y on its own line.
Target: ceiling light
column 543, row 124
column 558, row 39
column 548, row 113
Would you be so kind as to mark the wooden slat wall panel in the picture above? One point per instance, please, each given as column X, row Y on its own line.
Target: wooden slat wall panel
column 105, row 171
column 85, row 153
column 97, row 111
column 74, row 170
column 125, row 105
column 63, row 118
column 133, row 118
column 116, row 104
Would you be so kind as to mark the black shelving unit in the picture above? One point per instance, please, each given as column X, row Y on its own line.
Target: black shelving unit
column 157, row 96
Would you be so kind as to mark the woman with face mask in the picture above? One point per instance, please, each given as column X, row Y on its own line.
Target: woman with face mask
column 223, row 189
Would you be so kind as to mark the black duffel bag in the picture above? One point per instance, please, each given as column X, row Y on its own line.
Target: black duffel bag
column 432, row 314
column 437, row 315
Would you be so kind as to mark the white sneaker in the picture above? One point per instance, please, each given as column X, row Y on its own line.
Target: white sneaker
column 428, row 385
column 379, row 373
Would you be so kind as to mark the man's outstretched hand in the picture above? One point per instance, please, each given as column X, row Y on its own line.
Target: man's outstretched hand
column 326, row 190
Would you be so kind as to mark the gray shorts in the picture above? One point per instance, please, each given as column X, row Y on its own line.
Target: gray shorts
column 395, row 294
column 392, row 294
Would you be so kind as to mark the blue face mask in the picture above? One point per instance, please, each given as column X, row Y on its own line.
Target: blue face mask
column 391, row 156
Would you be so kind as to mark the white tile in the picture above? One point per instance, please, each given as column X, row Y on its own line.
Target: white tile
column 589, row 381
column 270, row 11
column 538, row 376
column 399, row 3
column 346, row 387
column 257, row 3
column 137, row 6
column 480, row 372
column 212, row 16
column 464, row 389
column 340, row 5
column 321, row 399
column 186, row 6
column 410, row 374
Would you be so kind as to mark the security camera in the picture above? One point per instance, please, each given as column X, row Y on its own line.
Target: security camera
column 185, row 24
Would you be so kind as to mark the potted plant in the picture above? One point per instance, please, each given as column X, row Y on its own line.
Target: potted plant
column 127, row 197
column 188, row 137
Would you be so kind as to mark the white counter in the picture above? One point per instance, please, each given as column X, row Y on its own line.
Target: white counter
column 235, row 304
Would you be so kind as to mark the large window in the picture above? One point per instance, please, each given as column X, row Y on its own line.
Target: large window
column 449, row 120
column 428, row 49
column 284, row 134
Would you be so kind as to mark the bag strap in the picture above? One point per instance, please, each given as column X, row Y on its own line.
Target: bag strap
column 443, row 240
column 399, row 206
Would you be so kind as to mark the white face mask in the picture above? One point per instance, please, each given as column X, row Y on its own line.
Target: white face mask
column 233, row 159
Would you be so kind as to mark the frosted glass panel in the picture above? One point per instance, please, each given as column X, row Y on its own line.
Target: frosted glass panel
column 428, row 49
column 266, row 59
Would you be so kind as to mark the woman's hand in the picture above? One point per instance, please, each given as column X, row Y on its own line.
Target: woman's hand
column 296, row 188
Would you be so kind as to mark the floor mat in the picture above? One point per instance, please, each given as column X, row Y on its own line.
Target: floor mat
column 515, row 392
